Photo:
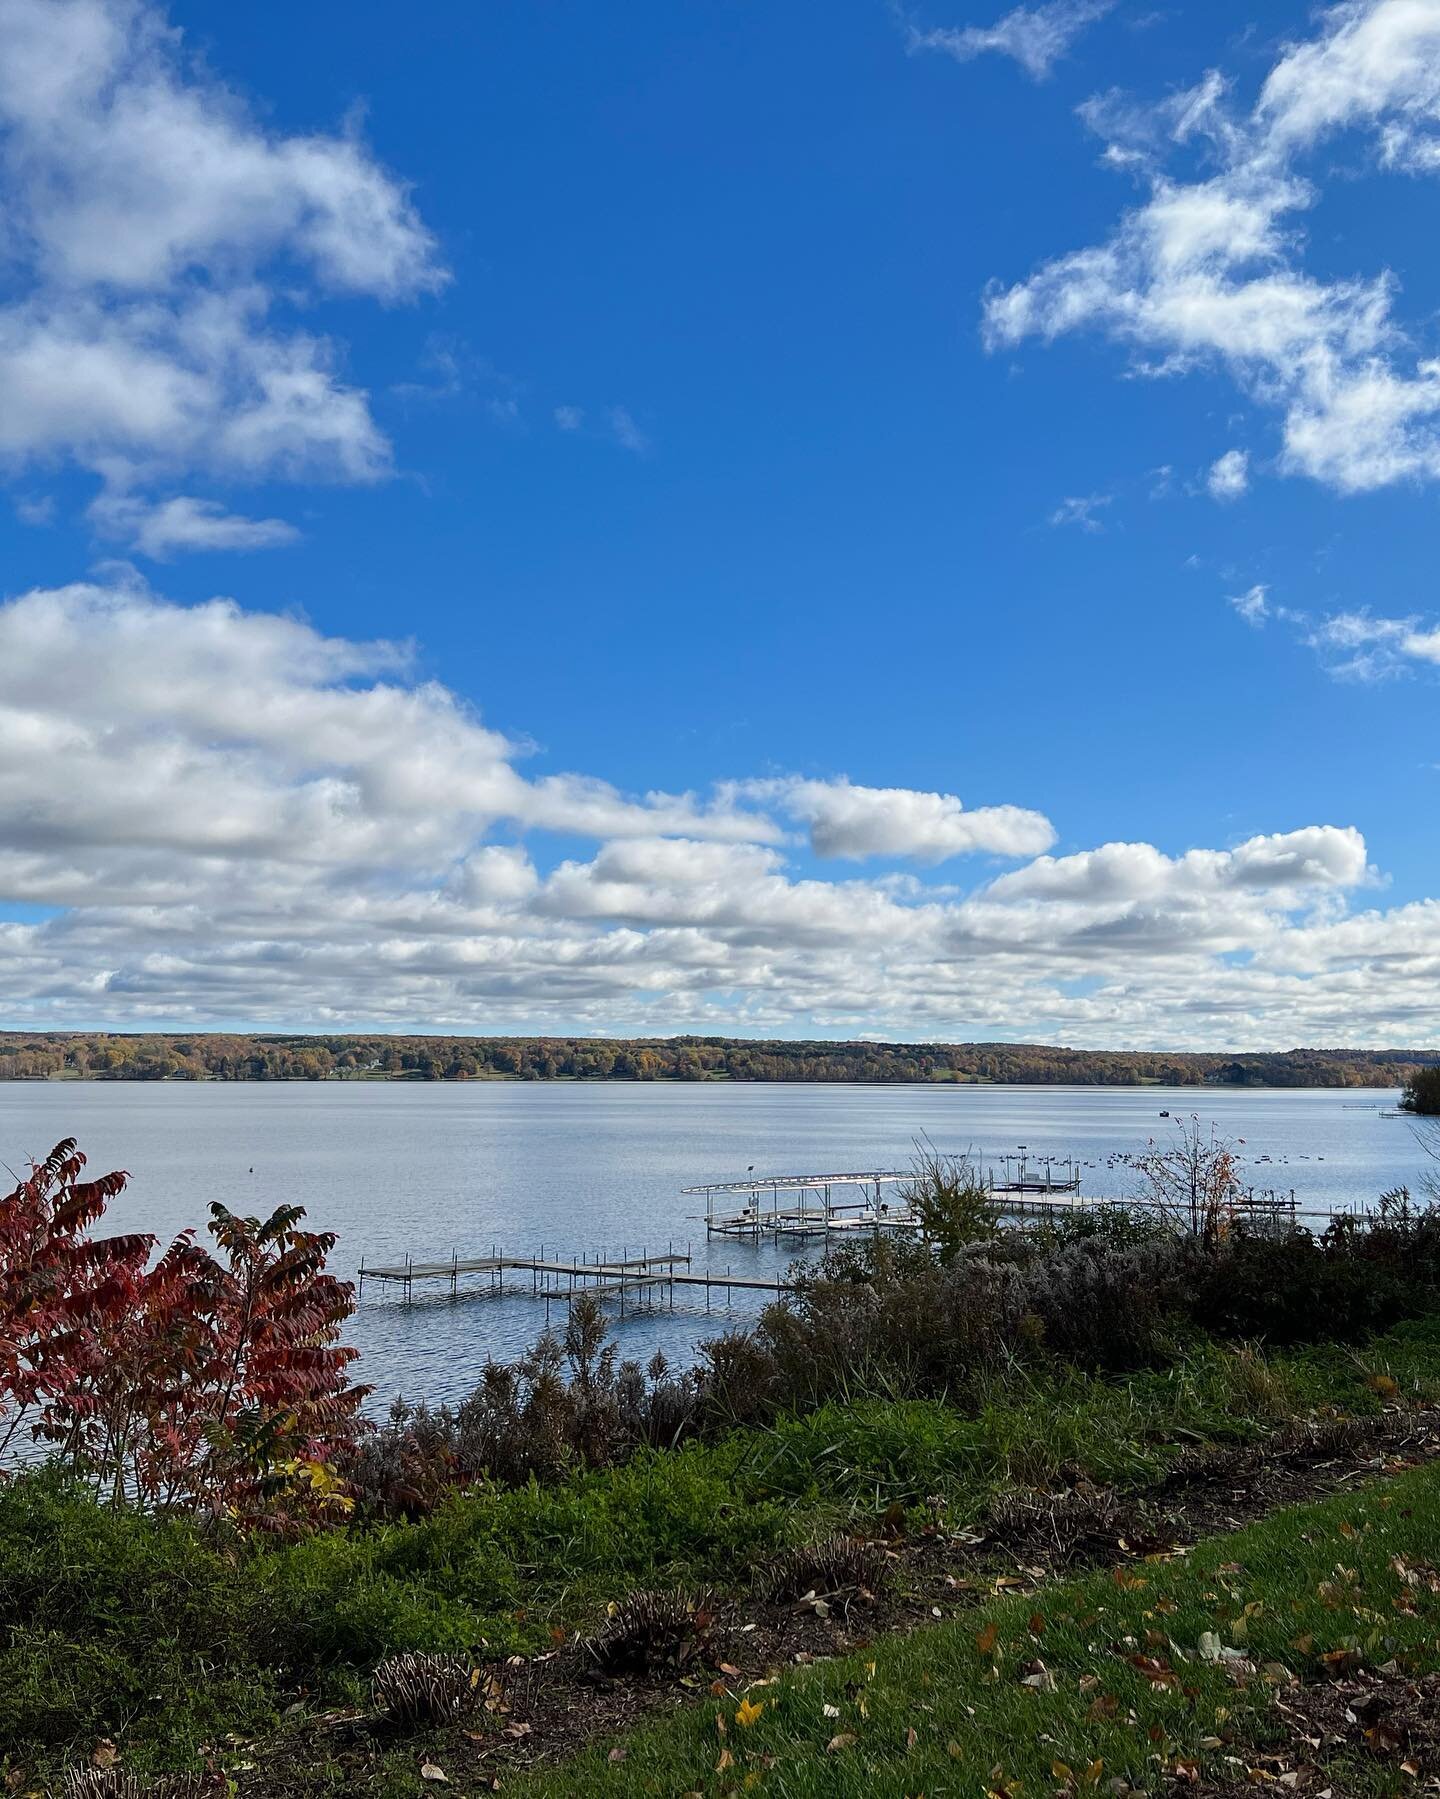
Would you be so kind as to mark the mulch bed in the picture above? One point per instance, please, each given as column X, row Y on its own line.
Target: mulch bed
column 549, row 1707
column 1371, row 1716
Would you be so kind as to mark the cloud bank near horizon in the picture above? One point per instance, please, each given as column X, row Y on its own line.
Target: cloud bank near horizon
column 247, row 822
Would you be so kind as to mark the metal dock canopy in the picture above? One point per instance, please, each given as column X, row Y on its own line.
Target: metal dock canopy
column 807, row 1205
column 790, row 1183
column 800, row 1206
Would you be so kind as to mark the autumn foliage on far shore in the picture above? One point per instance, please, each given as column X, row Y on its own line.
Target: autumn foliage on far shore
column 205, row 1382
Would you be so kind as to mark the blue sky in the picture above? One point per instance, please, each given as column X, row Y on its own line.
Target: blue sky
column 941, row 443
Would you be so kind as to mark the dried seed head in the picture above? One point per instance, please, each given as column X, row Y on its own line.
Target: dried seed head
column 651, row 1629
column 117, row 1783
column 826, row 1567
column 423, row 1689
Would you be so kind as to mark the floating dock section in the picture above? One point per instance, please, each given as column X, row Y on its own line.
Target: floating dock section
column 800, row 1207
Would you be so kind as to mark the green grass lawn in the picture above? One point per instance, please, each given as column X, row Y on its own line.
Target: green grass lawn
column 166, row 1640
column 1081, row 1682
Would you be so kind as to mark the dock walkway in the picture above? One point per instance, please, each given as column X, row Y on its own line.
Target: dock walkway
column 551, row 1278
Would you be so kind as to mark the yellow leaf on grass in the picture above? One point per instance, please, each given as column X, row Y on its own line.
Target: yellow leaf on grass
column 748, row 1711
column 986, row 1639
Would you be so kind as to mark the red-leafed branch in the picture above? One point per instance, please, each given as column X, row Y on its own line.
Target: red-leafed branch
column 213, row 1382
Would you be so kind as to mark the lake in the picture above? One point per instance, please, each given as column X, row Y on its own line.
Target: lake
column 425, row 1169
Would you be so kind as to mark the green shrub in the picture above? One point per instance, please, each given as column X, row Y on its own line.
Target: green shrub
column 1292, row 1289
column 1422, row 1093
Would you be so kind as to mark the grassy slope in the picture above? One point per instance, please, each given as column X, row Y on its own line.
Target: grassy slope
column 112, row 1625
column 948, row 1710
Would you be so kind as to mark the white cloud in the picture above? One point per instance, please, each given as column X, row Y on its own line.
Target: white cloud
column 156, row 234
column 626, row 432
column 1362, row 646
column 213, row 731
column 1229, row 475
column 130, row 169
column 1253, row 605
column 1353, row 645
column 569, row 418
column 1082, row 510
column 248, row 822
column 1037, row 37
column 162, row 528
column 1208, row 270
column 1320, row 856
column 853, row 823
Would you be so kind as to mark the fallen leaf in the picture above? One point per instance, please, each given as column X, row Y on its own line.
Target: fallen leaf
column 748, row 1711
column 104, row 1754
column 986, row 1639
column 836, row 1744
column 429, row 1771
column 617, row 1755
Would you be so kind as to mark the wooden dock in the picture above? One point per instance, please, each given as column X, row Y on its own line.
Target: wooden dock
column 552, row 1278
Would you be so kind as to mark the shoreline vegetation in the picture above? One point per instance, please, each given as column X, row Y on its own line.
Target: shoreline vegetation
column 958, row 1506
column 215, row 1056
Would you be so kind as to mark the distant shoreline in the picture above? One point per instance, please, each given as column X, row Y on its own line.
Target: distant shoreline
column 354, row 1056
column 514, row 1080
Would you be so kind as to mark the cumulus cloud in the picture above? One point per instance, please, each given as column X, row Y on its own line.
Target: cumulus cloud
column 155, row 232
column 1037, row 37
column 210, row 731
column 851, row 822
column 1318, row 857
column 1208, row 269
column 1229, row 475
column 248, row 821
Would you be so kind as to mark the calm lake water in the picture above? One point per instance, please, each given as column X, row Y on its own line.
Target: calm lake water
column 423, row 1170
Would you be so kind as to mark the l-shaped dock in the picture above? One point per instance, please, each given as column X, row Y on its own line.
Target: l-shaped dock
column 551, row 1278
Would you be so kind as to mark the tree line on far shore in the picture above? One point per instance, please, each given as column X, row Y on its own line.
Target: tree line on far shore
column 281, row 1057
